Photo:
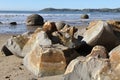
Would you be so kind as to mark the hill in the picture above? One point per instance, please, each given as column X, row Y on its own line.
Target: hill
column 83, row 10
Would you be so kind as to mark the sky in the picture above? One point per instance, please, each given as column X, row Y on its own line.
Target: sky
column 73, row 4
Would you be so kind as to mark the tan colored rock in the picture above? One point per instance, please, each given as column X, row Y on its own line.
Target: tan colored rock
column 65, row 28
column 115, row 62
column 72, row 64
column 98, row 51
column 49, row 27
column 101, row 34
column 92, row 24
column 66, row 37
column 38, row 30
column 39, row 37
column 15, row 45
column 95, row 68
column 115, row 56
column 49, row 60
column 45, row 61
column 90, row 68
column 114, row 24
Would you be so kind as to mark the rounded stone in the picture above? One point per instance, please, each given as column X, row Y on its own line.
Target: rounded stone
column 13, row 23
column 34, row 20
column 84, row 16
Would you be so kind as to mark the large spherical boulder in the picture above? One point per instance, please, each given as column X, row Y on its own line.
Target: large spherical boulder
column 84, row 16
column 34, row 20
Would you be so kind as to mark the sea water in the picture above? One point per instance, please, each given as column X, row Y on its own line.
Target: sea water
column 71, row 18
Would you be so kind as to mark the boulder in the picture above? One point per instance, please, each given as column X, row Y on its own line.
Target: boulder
column 65, row 28
column 59, row 25
column 84, row 16
column 69, row 53
column 115, row 57
column 90, row 68
column 45, row 61
column 38, row 37
column 98, row 51
column 95, row 66
column 115, row 62
column 49, row 28
column 48, row 60
column 13, row 23
column 92, row 24
column 116, row 27
column 101, row 34
column 66, row 37
column 15, row 45
column 34, row 20
column 1, row 23
column 114, row 24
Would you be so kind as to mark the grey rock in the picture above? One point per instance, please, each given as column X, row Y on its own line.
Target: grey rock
column 15, row 44
column 84, row 16
column 40, row 38
column 59, row 25
column 34, row 20
column 13, row 23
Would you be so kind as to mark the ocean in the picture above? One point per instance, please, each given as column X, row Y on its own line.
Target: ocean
column 71, row 18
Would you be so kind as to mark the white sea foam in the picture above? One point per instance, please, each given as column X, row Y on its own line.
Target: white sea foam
column 69, row 18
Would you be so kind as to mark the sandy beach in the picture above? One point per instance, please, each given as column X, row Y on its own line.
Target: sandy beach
column 13, row 69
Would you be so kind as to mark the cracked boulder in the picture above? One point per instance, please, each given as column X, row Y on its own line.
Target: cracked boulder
column 15, row 44
column 101, row 34
column 39, row 37
column 49, row 60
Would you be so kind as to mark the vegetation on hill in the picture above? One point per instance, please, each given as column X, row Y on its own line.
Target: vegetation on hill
column 83, row 10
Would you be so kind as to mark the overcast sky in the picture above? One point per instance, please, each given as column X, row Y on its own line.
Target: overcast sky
column 73, row 4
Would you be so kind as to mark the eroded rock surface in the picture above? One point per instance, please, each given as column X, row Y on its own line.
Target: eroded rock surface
column 15, row 45
column 101, row 34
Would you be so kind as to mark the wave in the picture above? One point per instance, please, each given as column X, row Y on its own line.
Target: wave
column 20, row 18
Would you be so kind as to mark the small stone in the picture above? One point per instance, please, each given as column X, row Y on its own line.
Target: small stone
column 33, row 79
column 84, row 16
column 20, row 68
column 13, row 23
